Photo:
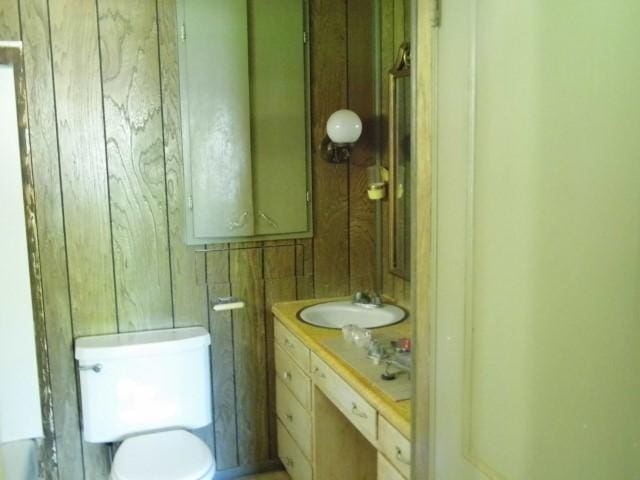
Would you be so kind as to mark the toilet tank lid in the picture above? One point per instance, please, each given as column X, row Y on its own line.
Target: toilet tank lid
column 137, row 344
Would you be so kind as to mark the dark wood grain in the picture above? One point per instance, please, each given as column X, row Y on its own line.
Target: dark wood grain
column 188, row 286
column 222, row 364
column 361, row 100
column 304, row 269
column 81, row 143
column 250, row 353
column 135, row 153
column 83, row 165
column 330, row 181
column 51, row 238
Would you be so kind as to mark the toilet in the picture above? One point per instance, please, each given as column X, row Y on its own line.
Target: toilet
column 148, row 390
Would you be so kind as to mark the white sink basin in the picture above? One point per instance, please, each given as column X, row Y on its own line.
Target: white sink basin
column 344, row 312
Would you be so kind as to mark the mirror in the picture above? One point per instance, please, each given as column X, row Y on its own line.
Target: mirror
column 400, row 164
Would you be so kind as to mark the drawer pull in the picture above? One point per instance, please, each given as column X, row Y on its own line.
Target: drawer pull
column 289, row 417
column 317, row 371
column 287, row 376
column 288, row 344
column 400, row 457
column 356, row 412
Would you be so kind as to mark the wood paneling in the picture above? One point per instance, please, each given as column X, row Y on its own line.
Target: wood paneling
column 51, row 236
column 249, row 348
column 9, row 20
column 222, row 363
column 361, row 97
column 133, row 130
column 104, row 112
column 188, row 284
column 81, row 145
column 330, row 181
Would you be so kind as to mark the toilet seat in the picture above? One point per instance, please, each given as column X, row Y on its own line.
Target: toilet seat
column 169, row 455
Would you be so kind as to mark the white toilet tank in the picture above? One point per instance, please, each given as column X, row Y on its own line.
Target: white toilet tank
column 139, row 382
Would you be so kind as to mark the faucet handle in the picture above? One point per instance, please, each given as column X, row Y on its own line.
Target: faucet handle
column 376, row 300
column 361, row 297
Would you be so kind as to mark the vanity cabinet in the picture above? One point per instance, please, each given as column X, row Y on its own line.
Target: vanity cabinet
column 318, row 408
column 245, row 122
column 395, row 447
column 293, row 404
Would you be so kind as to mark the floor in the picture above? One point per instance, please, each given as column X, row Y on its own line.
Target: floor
column 268, row 476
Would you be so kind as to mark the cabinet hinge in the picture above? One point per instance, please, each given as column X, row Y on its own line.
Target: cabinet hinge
column 190, row 202
column 183, row 32
column 436, row 15
column 305, row 37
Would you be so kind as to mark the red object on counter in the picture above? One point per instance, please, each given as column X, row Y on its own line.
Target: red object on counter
column 404, row 344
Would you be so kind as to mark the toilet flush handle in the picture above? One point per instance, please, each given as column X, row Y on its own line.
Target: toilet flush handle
column 97, row 367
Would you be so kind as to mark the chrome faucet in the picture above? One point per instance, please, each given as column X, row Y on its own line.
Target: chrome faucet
column 363, row 298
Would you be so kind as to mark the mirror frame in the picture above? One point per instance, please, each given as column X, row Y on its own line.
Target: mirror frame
column 401, row 69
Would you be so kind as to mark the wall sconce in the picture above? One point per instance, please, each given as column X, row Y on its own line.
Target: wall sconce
column 344, row 128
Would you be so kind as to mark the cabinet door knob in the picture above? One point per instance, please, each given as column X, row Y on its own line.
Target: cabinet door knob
column 289, row 417
column 287, row 376
column 356, row 411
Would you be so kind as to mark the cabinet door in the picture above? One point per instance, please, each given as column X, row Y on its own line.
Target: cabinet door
column 243, row 85
column 278, row 116
column 214, row 93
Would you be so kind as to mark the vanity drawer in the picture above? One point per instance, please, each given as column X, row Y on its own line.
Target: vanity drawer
column 386, row 471
column 292, row 345
column 362, row 415
column 291, row 456
column 293, row 377
column 394, row 446
column 294, row 417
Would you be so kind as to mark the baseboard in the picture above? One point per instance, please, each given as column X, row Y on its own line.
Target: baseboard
column 231, row 473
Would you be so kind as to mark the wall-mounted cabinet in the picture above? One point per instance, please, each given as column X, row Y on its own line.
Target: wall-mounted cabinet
column 245, row 122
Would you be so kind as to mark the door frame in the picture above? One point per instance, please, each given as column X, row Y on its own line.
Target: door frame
column 11, row 53
column 425, row 14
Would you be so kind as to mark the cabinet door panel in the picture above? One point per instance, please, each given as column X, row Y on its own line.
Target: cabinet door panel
column 214, row 88
column 278, row 115
column 244, row 106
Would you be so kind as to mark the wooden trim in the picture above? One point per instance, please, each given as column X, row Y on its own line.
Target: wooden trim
column 421, row 236
column 46, row 452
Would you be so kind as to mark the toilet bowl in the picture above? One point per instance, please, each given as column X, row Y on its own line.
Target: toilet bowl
column 169, row 455
column 147, row 390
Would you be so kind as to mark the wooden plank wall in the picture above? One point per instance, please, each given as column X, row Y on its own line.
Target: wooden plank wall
column 104, row 119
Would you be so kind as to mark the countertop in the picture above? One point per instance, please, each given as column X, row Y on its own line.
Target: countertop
column 397, row 413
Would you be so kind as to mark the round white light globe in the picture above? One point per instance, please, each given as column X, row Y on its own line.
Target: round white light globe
column 344, row 126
